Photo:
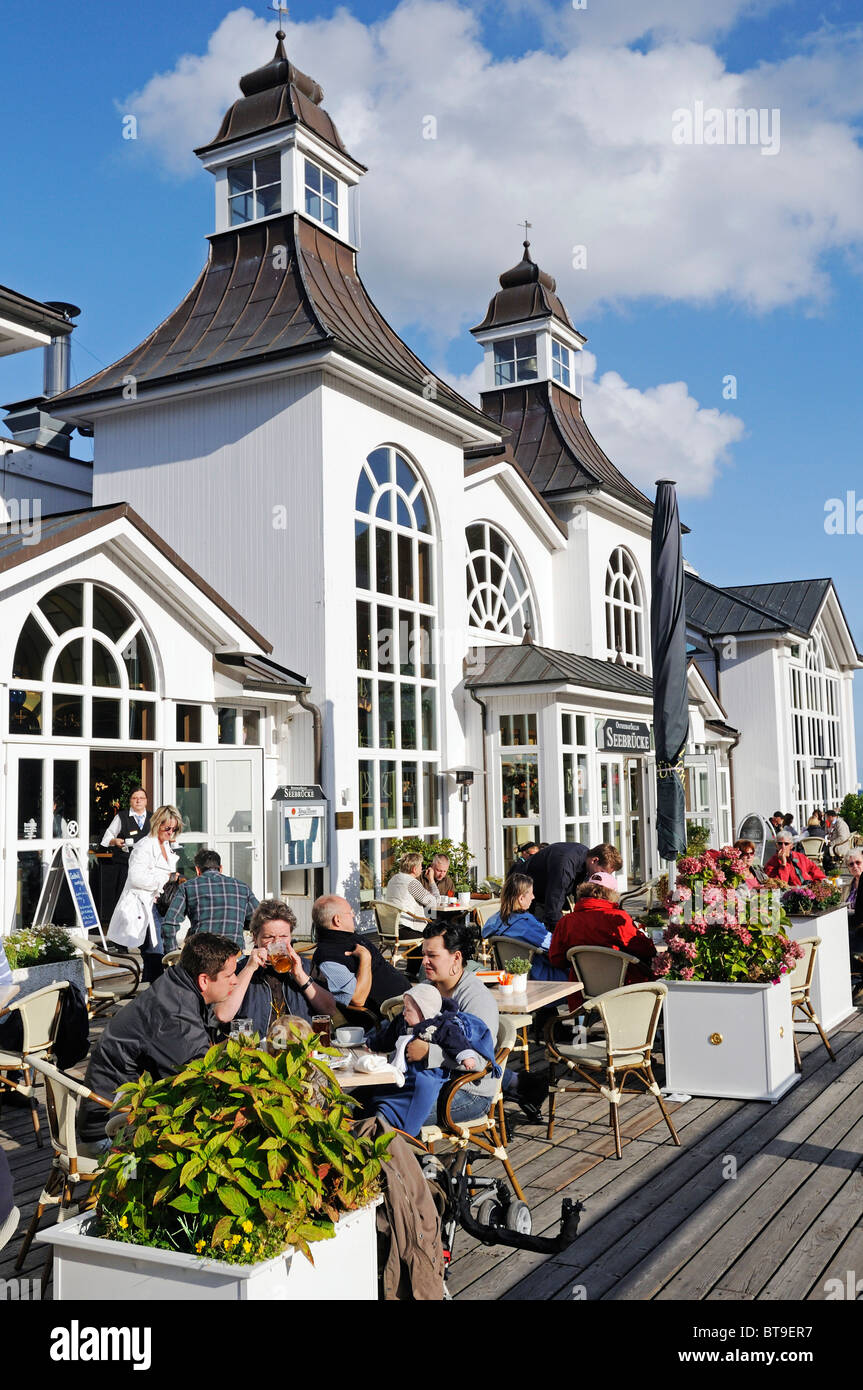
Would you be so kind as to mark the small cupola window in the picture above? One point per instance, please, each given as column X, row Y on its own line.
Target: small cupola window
column 515, row 360
column 322, row 196
column 255, row 189
column 561, row 363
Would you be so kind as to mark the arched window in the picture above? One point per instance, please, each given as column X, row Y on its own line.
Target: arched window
column 498, row 592
column 83, row 669
column 624, row 611
column 396, row 662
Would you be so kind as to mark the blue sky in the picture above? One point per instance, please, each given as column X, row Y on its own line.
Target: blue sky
column 701, row 263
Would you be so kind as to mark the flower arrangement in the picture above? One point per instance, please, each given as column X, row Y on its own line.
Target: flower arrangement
column 38, row 946
column 809, row 898
column 239, row 1156
column 718, row 930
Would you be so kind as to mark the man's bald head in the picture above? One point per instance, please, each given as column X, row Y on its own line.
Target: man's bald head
column 332, row 913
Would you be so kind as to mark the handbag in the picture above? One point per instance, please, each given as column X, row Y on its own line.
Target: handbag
column 166, row 897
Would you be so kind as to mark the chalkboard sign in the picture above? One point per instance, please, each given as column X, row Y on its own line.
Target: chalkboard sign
column 66, row 864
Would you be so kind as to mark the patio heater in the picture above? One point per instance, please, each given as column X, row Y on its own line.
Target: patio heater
column 464, row 777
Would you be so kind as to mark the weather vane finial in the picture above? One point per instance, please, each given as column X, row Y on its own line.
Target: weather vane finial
column 527, row 226
column 281, row 10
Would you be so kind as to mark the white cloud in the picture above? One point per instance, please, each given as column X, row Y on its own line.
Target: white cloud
column 661, row 432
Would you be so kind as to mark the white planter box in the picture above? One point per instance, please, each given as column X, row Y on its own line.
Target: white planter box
column 831, row 983
column 29, row 978
column 729, row 1040
column 90, row 1269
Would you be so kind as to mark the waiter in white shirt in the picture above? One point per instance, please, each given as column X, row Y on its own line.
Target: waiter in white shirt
column 125, row 830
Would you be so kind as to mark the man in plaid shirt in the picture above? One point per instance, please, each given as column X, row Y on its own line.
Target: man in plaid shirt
column 212, row 901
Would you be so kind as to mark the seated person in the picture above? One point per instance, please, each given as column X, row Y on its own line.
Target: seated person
column 351, row 966
column 790, row 865
column 410, row 893
column 161, row 1030
column 597, row 920
column 815, row 827
column 430, row 1018
column 265, row 994
column 437, row 877
column 855, row 905
column 516, row 920
column 9, row 1213
column 755, row 875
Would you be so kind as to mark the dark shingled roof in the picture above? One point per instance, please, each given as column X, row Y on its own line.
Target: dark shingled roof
column 526, row 292
column 796, row 603
column 276, row 95
column 242, row 311
column 718, row 612
column 531, row 665
column 553, row 445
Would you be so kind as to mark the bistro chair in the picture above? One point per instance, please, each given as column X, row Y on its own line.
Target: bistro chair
column 600, row 969
column 100, row 1000
column 800, row 980
column 483, row 1133
column 69, row 1169
column 640, row 898
column 813, row 847
column 630, row 1016
column 388, row 917
column 482, row 913
column 507, row 948
column 40, row 1016
column 170, row 959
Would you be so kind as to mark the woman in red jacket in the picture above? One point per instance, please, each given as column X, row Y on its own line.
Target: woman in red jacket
column 597, row 920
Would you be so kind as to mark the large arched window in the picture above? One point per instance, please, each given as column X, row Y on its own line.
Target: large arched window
column 397, row 683
column 624, row 611
column 83, row 669
column 498, row 592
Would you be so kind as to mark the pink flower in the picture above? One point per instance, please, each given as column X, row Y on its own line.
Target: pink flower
column 661, row 964
column 712, row 895
column 690, row 950
column 676, row 943
column 687, row 973
column 699, row 926
column 682, row 894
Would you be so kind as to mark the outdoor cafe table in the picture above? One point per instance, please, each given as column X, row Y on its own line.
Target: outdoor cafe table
column 538, row 994
column 349, row 1078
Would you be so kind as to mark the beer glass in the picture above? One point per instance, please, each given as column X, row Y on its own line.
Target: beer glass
column 322, row 1024
column 279, row 958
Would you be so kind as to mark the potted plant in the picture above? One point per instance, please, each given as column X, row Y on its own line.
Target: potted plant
column 818, row 909
column 728, row 1029
column 462, row 888
column 239, row 1178
column 40, row 956
column 519, row 968
column 460, row 857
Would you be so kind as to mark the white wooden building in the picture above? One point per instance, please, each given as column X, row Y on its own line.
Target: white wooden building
column 459, row 586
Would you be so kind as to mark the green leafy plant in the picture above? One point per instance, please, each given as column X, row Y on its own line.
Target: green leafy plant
column 460, row 857
column 518, row 966
column 239, row 1156
column 697, row 838
column 38, row 946
column 851, row 811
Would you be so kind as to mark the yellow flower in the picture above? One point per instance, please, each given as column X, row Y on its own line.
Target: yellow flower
column 247, row 1227
column 247, row 1246
column 123, row 1222
column 200, row 1245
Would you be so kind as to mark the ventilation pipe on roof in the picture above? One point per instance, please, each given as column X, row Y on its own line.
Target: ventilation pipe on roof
column 29, row 422
column 56, row 374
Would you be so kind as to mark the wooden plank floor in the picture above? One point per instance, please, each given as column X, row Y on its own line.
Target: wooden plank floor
column 759, row 1202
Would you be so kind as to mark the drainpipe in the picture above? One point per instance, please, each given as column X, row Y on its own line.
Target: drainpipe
column 731, row 796
column 318, row 736
column 484, row 710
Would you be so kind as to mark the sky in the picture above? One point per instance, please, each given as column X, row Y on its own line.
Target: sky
column 720, row 285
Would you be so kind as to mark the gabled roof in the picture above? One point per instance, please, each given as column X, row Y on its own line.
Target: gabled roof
column 244, row 312
column 796, row 603
column 531, row 665
column 480, row 460
column 553, row 445
column 65, row 527
column 721, row 612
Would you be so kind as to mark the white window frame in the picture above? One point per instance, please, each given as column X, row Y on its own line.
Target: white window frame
column 561, row 363
column 517, row 359
column 252, row 192
column 624, row 610
column 325, row 173
column 489, row 610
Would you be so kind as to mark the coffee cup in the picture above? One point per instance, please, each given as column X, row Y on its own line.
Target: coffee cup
column 349, row 1037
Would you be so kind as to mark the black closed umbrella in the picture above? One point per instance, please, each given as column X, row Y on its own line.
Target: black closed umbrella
column 668, row 652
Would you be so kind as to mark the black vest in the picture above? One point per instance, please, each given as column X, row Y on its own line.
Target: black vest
column 129, row 831
column 386, row 980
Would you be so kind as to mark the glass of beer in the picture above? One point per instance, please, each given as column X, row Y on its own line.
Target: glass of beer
column 322, row 1024
column 279, row 958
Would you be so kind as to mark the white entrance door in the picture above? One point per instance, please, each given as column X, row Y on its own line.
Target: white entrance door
column 611, row 809
column 220, row 795
column 702, row 804
column 47, row 801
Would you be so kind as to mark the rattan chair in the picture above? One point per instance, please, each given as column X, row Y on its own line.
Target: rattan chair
column 171, row 958
column 485, row 1132
column 812, row 846
column 630, row 1016
column 389, row 917
column 504, row 949
column 70, row 1169
column 40, row 1015
column 100, row 1000
column 600, row 969
column 482, row 913
column 800, row 980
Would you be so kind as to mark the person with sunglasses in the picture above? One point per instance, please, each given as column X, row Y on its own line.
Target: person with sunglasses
column 755, row 875
column 136, row 921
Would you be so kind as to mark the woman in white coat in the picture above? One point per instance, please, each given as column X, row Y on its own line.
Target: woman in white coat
column 152, row 862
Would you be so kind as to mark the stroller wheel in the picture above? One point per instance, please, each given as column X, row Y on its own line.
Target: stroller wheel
column 489, row 1212
column 518, row 1218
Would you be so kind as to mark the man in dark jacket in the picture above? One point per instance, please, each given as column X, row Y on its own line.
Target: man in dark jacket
column 558, row 869
column 162, row 1029
column 352, row 967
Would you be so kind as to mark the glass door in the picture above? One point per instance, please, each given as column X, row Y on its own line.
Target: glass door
column 611, row 808
column 47, row 803
column 701, row 797
column 635, row 819
column 220, row 795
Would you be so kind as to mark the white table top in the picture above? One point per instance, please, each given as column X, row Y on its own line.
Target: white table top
column 349, row 1078
column 538, row 994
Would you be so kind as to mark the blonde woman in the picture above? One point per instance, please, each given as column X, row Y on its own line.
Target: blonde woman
column 408, row 892
column 152, row 863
